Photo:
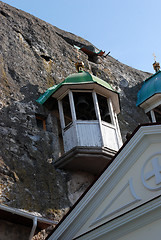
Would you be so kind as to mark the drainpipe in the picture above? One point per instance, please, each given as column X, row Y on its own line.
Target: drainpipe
column 33, row 228
column 35, row 219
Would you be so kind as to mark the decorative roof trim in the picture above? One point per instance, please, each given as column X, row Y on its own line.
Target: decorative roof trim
column 92, row 79
column 152, row 76
column 153, row 207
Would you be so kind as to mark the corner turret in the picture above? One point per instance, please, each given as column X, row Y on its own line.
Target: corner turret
column 149, row 96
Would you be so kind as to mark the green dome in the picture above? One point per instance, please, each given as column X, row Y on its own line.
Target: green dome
column 151, row 86
column 85, row 77
column 75, row 78
column 80, row 77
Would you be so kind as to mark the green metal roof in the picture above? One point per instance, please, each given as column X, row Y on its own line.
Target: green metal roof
column 76, row 78
column 151, row 86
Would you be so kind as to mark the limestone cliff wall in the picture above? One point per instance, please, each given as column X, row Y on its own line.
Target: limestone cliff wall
column 35, row 55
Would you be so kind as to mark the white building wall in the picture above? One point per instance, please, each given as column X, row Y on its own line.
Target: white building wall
column 151, row 231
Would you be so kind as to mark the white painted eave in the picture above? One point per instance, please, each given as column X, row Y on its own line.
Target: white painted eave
column 63, row 90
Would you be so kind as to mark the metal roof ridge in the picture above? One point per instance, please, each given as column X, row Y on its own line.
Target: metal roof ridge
column 152, row 76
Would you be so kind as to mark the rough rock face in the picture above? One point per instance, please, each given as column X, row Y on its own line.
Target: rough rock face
column 35, row 55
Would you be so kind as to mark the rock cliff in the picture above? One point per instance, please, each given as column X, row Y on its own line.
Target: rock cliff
column 34, row 56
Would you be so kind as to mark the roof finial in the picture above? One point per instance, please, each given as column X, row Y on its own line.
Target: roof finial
column 154, row 57
column 78, row 54
column 79, row 66
column 156, row 65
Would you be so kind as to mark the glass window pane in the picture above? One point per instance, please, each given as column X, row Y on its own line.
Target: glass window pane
column 157, row 112
column 149, row 116
column 104, row 110
column 41, row 122
column 66, row 110
column 84, row 106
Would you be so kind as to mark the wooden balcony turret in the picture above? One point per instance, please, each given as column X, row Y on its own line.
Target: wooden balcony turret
column 88, row 108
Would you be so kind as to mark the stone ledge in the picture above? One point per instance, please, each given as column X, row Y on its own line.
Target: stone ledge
column 88, row 159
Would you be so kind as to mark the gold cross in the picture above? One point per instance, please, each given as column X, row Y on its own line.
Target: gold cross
column 78, row 54
column 154, row 57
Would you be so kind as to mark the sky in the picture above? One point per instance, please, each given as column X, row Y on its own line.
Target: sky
column 130, row 30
